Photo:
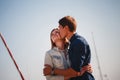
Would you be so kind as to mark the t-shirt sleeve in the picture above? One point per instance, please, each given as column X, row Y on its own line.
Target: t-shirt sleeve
column 48, row 59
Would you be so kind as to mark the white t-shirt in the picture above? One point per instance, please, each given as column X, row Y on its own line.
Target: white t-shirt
column 56, row 59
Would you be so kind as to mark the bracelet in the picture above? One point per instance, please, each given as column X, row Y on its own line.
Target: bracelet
column 78, row 73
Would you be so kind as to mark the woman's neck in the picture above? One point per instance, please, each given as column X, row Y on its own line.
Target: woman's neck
column 60, row 45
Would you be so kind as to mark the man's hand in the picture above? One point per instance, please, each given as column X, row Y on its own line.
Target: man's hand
column 47, row 70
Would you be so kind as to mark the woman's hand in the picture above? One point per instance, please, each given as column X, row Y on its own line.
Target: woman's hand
column 87, row 68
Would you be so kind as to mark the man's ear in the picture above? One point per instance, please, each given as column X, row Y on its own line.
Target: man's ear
column 66, row 28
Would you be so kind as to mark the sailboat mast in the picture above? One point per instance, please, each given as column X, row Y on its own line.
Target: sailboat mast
column 100, row 71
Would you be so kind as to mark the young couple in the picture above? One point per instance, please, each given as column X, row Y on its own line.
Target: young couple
column 69, row 56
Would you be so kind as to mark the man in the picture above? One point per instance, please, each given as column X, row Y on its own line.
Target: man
column 79, row 50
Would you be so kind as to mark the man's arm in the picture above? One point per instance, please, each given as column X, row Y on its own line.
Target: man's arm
column 71, row 72
column 66, row 72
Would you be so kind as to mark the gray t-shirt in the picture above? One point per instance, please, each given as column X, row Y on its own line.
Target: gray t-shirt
column 56, row 59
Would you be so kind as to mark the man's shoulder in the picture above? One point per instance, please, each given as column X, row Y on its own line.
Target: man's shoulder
column 79, row 40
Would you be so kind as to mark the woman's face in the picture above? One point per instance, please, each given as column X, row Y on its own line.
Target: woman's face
column 55, row 35
column 63, row 31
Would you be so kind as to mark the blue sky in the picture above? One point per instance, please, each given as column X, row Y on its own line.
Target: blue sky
column 26, row 25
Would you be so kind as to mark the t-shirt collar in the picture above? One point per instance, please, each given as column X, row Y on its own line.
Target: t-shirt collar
column 72, row 38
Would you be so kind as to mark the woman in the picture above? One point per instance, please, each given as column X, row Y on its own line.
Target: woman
column 57, row 58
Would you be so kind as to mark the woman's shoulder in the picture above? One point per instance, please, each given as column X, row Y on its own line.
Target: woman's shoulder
column 51, row 51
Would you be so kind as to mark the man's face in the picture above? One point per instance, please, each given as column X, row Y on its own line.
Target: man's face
column 62, row 31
